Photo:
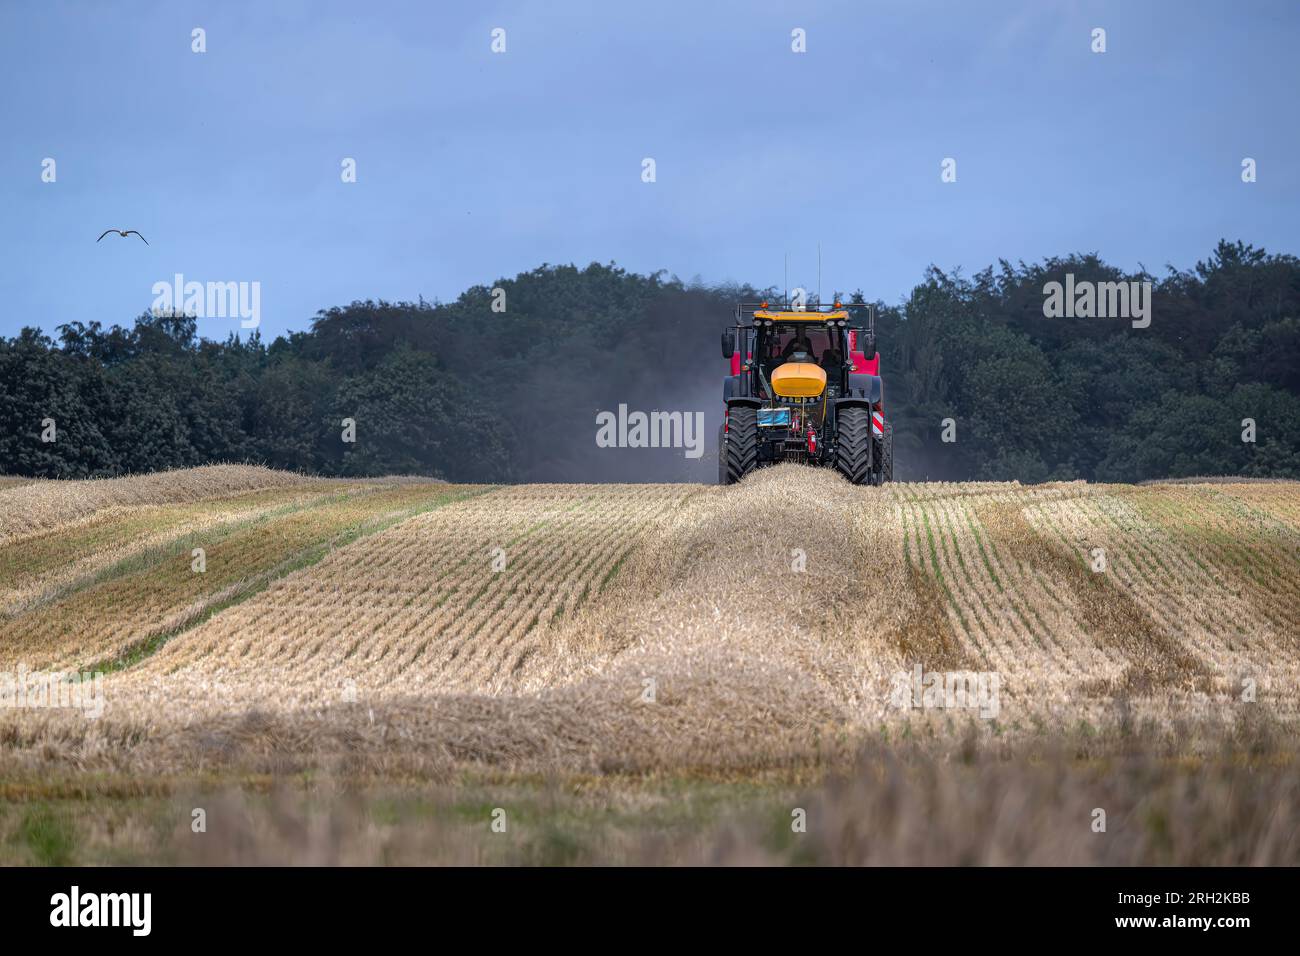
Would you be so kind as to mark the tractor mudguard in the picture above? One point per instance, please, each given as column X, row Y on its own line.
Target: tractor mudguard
column 743, row 401
column 852, row 401
column 866, row 387
column 733, row 386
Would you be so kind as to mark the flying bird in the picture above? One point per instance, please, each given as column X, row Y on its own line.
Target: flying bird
column 123, row 233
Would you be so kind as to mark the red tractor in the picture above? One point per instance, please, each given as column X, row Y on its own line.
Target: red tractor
column 804, row 386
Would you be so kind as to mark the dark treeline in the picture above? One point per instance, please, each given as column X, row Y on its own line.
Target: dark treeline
column 462, row 392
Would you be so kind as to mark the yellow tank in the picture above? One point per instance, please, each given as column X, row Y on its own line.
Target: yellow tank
column 798, row 380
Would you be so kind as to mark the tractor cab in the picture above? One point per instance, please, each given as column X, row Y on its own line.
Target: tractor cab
column 806, row 375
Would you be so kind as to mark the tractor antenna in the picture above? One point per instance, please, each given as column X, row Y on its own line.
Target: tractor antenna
column 787, row 278
column 819, row 273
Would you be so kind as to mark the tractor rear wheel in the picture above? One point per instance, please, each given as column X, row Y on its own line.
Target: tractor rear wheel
column 722, row 454
column 740, row 455
column 884, row 453
column 853, row 443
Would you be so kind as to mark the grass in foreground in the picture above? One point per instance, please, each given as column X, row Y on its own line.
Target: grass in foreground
column 902, row 804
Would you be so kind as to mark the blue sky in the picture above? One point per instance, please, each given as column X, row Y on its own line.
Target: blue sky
column 473, row 165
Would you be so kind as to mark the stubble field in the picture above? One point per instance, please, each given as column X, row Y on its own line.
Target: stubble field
column 367, row 670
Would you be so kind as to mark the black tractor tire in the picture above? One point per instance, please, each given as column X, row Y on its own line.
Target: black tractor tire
column 884, row 455
column 740, row 455
column 722, row 454
column 853, row 441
